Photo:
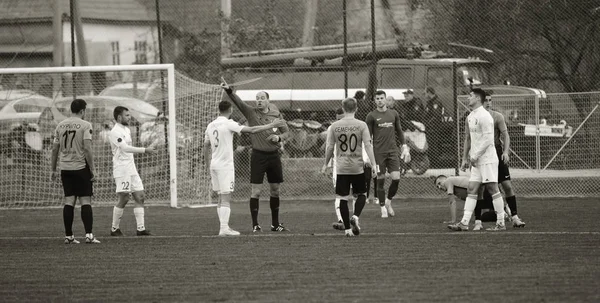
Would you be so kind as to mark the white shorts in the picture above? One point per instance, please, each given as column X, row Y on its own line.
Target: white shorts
column 129, row 184
column 484, row 173
column 223, row 180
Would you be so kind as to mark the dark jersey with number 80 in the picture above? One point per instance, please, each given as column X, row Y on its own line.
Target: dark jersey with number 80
column 347, row 136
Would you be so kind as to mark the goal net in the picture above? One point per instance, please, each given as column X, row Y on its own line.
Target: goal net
column 168, row 110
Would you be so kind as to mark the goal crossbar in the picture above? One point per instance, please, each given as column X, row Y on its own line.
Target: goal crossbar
column 170, row 68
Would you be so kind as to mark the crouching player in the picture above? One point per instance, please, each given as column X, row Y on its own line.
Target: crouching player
column 218, row 139
column 345, row 136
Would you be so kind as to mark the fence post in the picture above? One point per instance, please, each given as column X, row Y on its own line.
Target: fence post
column 457, row 117
column 538, row 153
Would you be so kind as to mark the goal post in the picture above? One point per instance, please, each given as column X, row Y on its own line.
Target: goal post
column 157, row 88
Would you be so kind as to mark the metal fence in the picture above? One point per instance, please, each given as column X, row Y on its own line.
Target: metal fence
column 295, row 50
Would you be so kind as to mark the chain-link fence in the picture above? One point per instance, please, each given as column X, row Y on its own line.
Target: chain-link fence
column 294, row 50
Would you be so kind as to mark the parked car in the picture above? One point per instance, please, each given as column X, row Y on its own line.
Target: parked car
column 100, row 113
column 147, row 91
column 20, row 108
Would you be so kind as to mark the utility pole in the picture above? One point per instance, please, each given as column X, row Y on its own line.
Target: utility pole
column 83, row 58
column 57, row 49
column 225, row 20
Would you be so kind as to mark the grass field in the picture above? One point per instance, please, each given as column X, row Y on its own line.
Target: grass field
column 409, row 258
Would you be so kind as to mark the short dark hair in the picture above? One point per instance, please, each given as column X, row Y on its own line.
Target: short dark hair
column 359, row 95
column 339, row 111
column 349, row 105
column 78, row 105
column 479, row 92
column 224, row 106
column 119, row 111
column 437, row 178
column 380, row 92
column 430, row 90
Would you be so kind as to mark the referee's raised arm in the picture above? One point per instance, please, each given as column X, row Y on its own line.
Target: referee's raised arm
column 246, row 109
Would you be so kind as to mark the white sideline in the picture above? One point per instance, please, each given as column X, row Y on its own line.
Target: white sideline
column 332, row 234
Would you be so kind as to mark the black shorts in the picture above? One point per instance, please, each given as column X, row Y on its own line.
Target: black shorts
column 77, row 183
column 503, row 171
column 344, row 182
column 262, row 162
column 387, row 161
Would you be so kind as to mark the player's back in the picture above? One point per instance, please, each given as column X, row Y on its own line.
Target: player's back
column 220, row 134
column 348, row 137
column 70, row 134
column 457, row 185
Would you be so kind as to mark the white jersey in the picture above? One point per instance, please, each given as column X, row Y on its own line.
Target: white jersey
column 220, row 135
column 120, row 142
column 481, row 130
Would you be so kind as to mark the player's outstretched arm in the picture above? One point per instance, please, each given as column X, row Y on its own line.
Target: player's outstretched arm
column 487, row 139
column 118, row 141
column 277, row 123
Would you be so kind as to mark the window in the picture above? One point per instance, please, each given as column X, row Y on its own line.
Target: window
column 116, row 54
column 396, row 78
column 439, row 77
column 140, row 48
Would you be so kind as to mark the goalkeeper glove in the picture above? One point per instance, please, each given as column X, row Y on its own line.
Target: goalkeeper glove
column 405, row 155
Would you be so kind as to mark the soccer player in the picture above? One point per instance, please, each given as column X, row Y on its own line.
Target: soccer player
column 503, row 152
column 384, row 126
column 456, row 187
column 265, row 158
column 125, row 173
column 72, row 146
column 218, row 138
column 346, row 136
column 483, row 160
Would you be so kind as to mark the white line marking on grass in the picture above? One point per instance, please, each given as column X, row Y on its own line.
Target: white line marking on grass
column 400, row 234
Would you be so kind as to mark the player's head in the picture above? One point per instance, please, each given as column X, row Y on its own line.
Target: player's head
column 439, row 182
column 121, row 115
column 409, row 94
column 476, row 97
column 262, row 100
column 488, row 101
column 225, row 108
column 349, row 105
column 380, row 99
column 359, row 95
column 390, row 102
column 339, row 113
column 78, row 107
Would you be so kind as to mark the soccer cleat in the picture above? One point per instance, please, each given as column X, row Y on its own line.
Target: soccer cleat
column 256, row 228
column 279, row 228
column 478, row 225
column 376, row 201
column 507, row 217
column 497, row 227
column 339, row 225
column 228, row 232
column 349, row 233
column 384, row 213
column 71, row 240
column 517, row 222
column 116, row 233
column 90, row 239
column 458, row 227
column 355, row 225
column 389, row 209
column 144, row 232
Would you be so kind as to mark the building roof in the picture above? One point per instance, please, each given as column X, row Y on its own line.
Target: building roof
column 92, row 10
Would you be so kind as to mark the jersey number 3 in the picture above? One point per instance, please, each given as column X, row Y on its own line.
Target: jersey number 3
column 348, row 142
column 216, row 134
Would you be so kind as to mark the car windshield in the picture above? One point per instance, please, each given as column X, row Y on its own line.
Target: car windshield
column 31, row 105
column 125, row 92
column 477, row 73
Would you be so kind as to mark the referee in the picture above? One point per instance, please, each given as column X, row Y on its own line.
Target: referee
column 265, row 158
column 73, row 147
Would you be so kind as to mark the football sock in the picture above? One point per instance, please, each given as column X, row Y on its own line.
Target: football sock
column 274, row 203
column 224, row 213
column 470, row 204
column 360, row 204
column 393, row 189
column 381, row 192
column 254, row 210
column 478, row 209
column 139, row 217
column 68, row 214
column 336, row 204
column 116, row 219
column 498, row 207
column 87, row 217
column 512, row 204
column 345, row 213
column 368, row 179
